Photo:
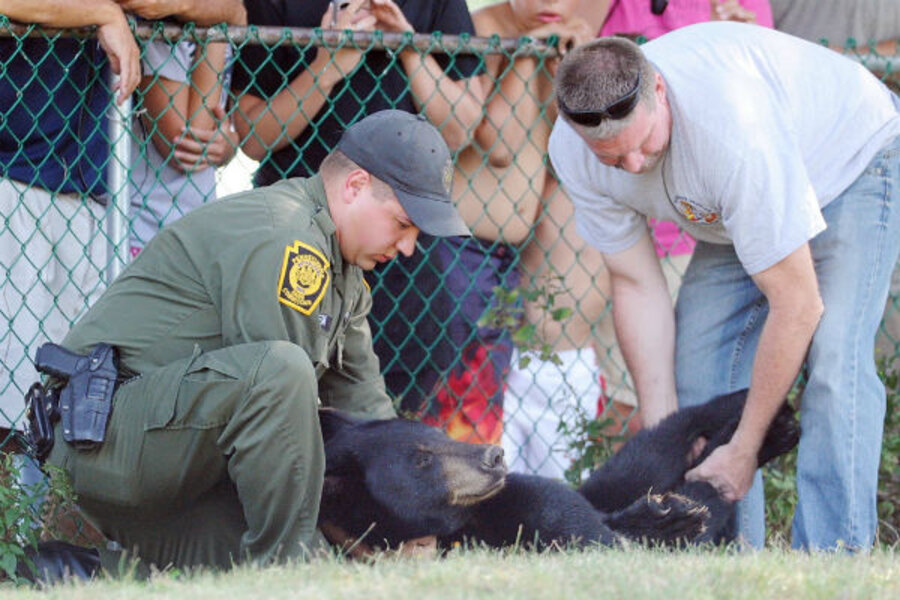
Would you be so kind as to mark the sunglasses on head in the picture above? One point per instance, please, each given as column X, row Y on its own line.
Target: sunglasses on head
column 614, row 111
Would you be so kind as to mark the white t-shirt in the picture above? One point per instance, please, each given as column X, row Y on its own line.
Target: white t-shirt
column 767, row 130
column 160, row 193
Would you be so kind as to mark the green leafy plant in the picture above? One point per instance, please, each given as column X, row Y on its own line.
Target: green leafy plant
column 508, row 312
column 24, row 509
column 589, row 440
column 889, row 471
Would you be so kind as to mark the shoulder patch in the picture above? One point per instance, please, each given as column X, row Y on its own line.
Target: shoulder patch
column 305, row 276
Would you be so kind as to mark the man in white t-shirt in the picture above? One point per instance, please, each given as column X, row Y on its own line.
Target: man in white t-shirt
column 782, row 159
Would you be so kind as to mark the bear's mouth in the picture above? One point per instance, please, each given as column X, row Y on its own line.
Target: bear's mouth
column 464, row 498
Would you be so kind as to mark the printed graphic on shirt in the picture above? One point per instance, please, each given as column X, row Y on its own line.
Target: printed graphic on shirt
column 304, row 278
column 694, row 212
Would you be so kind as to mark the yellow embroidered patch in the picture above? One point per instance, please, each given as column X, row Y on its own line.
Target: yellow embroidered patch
column 304, row 278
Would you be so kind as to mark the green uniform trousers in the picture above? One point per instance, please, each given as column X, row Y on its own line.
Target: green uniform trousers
column 209, row 460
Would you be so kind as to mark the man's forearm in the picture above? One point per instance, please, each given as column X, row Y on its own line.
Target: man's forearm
column 62, row 13
column 206, row 12
column 781, row 351
column 454, row 107
column 645, row 328
column 201, row 12
column 795, row 308
column 267, row 125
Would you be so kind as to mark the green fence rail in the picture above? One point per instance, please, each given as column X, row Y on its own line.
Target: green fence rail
column 84, row 185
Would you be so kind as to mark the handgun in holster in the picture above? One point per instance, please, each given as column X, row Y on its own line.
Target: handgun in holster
column 85, row 402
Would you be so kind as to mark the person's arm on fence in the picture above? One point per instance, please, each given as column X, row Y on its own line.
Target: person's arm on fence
column 201, row 12
column 172, row 110
column 269, row 124
column 645, row 327
column 455, row 107
column 513, row 102
column 185, row 115
column 113, row 31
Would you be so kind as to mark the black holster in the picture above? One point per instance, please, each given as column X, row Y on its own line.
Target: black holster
column 83, row 404
column 40, row 414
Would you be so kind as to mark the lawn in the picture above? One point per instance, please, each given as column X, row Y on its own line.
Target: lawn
column 595, row 574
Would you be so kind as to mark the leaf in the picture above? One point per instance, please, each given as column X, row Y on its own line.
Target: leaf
column 561, row 314
column 525, row 333
column 8, row 563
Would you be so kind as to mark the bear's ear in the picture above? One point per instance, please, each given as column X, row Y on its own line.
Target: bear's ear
column 332, row 421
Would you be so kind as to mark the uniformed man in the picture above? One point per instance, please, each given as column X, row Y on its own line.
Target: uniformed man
column 229, row 326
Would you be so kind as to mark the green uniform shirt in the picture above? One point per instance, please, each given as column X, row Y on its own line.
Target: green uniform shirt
column 258, row 266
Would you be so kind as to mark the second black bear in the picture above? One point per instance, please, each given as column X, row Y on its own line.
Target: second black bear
column 395, row 480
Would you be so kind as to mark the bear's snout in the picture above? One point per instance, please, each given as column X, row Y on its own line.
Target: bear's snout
column 493, row 458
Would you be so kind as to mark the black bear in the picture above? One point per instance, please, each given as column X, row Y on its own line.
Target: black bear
column 395, row 480
column 657, row 459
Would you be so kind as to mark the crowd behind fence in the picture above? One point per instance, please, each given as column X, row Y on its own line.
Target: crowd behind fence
column 444, row 335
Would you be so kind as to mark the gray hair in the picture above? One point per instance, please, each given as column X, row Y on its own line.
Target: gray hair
column 597, row 74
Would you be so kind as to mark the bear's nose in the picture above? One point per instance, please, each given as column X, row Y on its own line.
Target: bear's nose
column 493, row 457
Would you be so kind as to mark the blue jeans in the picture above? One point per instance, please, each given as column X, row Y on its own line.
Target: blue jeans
column 720, row 313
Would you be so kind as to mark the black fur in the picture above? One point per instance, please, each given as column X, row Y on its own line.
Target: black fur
column 388, row 478
column 657, row 458
column 537, row 512
column 395, row 480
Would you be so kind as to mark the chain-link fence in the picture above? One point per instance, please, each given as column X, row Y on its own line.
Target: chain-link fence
column 86, row 184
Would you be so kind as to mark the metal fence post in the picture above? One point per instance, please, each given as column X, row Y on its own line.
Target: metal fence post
column 119, row 120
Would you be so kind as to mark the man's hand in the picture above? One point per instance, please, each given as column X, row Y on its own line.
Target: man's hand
column 729, row 469
column 113, row 31
column 571, row 33
column 124, row 56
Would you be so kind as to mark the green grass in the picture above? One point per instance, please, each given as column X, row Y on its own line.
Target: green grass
column 594, row 575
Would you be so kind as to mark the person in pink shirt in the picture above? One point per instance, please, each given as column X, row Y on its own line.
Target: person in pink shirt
column 635, row 17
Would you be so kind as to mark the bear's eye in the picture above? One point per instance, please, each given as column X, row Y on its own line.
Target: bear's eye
column 423, row 459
